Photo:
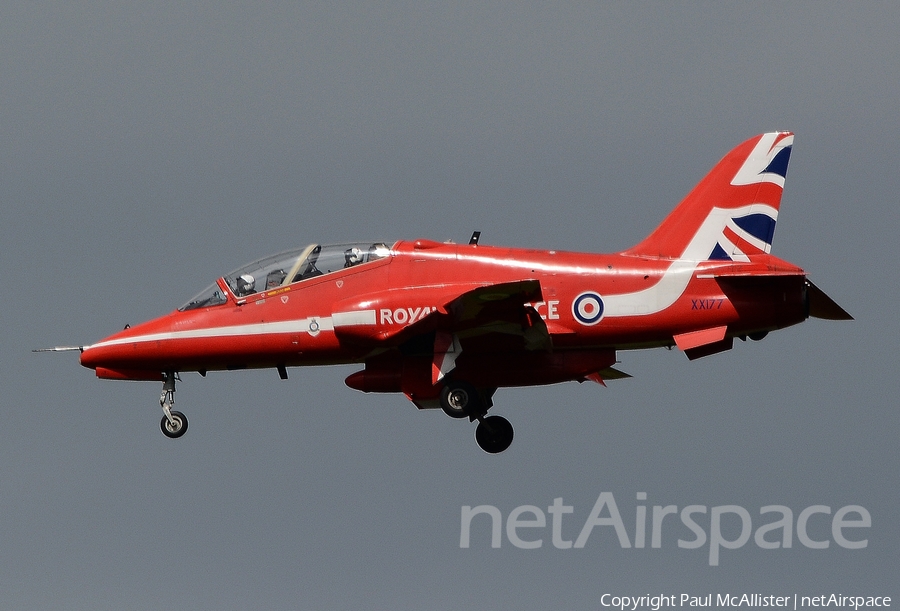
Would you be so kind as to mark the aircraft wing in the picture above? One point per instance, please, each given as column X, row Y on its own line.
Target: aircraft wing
column 486, row 319
column 494, row 300
column 490, row 318
column 496, row 310
column 485, row 310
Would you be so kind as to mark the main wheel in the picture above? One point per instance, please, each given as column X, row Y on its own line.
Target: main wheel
column 176, row 429
column 494, row 434
column 460, row 400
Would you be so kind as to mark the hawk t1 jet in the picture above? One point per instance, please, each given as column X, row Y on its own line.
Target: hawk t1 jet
column 448, row 324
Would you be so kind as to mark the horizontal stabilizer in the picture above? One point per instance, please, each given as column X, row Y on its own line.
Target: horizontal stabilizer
column 823, row 306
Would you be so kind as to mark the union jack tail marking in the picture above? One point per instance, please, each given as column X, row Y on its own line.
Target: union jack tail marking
column 731, row 213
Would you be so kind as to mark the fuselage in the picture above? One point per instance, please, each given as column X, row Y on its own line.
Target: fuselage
column 588, row 301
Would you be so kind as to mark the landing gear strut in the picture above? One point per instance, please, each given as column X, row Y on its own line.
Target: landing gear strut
column 462, row 400
column 173, row 424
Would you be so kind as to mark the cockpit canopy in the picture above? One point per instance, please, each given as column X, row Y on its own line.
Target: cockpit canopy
column 287, row 268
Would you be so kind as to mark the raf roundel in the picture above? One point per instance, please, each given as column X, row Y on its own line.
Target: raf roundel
column 588, row 308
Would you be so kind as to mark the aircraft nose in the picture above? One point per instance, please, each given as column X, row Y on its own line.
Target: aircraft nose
column 88, row 357
column 112, row 361
column 115, row 351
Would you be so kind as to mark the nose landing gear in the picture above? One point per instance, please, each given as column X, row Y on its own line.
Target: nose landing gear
column 462, row 400
column 174, row 424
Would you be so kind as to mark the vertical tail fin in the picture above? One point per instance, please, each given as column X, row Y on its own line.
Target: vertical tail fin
column 731, row 213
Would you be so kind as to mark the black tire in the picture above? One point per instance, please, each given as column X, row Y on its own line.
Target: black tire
column 460, row 400
column 494, row 434
column 174, row 432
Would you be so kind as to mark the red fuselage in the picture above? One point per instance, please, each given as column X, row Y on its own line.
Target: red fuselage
column 350, row 315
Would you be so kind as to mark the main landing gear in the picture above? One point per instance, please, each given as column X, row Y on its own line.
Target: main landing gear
column 493, row 434
column 462, row 400
column 173, row 424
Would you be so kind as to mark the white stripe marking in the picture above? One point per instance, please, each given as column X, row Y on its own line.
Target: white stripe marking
column 676, row 278
column 352, row 319
column 263, row 328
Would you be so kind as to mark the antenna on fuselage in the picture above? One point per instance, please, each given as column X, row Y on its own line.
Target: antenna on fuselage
column 473, row 241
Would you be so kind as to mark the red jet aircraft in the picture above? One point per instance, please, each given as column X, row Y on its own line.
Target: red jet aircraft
column 448, row 324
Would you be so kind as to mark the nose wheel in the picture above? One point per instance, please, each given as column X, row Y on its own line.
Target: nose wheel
column 174, row 424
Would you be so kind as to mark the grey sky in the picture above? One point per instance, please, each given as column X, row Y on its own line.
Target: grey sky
column 146, row 149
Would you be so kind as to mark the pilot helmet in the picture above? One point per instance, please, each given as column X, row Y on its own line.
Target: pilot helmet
column 353, row 256
column 245, row 283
